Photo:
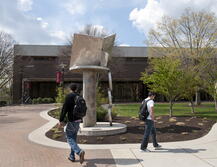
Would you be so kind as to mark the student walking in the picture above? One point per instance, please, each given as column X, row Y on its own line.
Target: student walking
column 149, row 124
column 73, row 123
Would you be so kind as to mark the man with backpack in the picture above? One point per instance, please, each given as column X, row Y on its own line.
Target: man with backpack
column 148, row 106
column 75, row 111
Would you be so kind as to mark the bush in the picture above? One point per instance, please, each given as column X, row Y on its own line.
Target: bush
column 101, row 114
column 47, row 100
column 114, row 112
column 42, row 100
column 34, row 101
column 50, row 100
column 60, row 96
column 39, row 100
column 100, row 97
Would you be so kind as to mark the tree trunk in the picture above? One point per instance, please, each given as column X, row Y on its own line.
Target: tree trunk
column 215, row 96
column 197, row 99
column 215, row 99
column 171, row 108
column 192, row 107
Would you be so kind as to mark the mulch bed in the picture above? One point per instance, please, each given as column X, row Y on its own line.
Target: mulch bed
column 168, row 130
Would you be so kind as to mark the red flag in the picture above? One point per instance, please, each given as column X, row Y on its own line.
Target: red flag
column 58, row 77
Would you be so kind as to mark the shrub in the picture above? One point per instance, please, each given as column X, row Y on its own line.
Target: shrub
column 39, row 100
column 47, row 100
column 101, row 114
column 100, row 97
column 50, row 100
column 34, row 101
column 60, row 95
column 42, row 100
column 114, row 112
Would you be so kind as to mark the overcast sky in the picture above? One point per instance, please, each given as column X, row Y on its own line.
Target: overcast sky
column 52, row 21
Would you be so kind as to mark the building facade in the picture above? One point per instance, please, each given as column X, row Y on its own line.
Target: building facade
column 36, row 67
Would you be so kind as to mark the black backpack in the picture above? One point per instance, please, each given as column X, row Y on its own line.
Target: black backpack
column 80, row 107
column 143, row 111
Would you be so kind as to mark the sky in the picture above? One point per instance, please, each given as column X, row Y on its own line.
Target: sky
column 53, row 21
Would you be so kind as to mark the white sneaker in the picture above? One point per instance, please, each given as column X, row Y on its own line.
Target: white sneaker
column 145, row 150
column 158, row 147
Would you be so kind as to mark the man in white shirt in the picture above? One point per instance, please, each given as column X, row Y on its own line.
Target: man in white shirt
column 150, row 127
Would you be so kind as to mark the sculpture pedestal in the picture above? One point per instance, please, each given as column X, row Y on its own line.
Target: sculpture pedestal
column 89, row 94
column 103, row 129
column 89, row 91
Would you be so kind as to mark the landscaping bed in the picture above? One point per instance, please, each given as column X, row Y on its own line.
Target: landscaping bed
column 179, row 128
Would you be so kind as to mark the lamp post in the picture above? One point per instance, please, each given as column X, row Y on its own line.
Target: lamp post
column 62, row 65
column 23, row 82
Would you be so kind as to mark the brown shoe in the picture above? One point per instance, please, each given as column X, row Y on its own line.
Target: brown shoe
column 81, row 155
column 72, row 160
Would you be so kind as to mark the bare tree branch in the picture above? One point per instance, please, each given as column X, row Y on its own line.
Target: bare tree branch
column 6, row 58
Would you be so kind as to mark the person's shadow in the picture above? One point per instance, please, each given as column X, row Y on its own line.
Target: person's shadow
column 124, row 161
column 111, row 162
column 177, row 150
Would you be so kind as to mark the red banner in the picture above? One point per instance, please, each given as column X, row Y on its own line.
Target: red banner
column 58, row 77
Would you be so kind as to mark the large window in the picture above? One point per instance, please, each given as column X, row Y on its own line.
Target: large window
column 43, row 89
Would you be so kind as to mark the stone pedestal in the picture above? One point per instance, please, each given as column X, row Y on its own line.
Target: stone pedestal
column 103, row 129
column 89, row 94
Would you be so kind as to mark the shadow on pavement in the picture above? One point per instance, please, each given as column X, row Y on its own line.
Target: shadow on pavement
column 111, row 162
column 177, row 150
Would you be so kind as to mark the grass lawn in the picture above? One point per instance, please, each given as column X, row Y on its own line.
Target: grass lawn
column 179, row 109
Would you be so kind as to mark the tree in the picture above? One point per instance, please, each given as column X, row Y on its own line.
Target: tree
column 209, row 68
column 6, row 60
column 189, row 84
column 190, row 36
column 94, row 30
column 165, row 78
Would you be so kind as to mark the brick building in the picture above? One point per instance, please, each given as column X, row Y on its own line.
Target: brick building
column 35, row 68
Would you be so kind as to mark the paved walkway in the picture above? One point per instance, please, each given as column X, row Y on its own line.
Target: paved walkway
column 16, row 150
column 23, row 144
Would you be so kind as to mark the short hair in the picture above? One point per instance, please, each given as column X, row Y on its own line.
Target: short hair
column 73, row 87
column 151, row 94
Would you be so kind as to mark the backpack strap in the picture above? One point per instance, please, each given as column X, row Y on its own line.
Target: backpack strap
column 146, row 101
column 75, row 98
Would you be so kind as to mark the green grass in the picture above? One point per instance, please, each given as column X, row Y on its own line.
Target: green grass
column 179, row 109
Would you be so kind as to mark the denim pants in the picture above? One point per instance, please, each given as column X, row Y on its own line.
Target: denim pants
column 71, row 135
column 149, row 129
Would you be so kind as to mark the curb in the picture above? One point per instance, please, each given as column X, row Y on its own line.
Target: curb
column 38, row 136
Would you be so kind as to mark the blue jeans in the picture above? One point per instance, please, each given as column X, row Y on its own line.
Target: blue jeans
column 149, row 129
column 71, row 135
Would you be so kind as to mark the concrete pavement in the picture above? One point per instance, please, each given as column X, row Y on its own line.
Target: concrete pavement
column 25, row 125
column 16, row 150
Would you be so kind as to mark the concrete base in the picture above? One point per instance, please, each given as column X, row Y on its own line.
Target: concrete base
column 102, row 129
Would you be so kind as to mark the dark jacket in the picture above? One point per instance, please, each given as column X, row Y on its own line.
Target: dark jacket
column 68, row 107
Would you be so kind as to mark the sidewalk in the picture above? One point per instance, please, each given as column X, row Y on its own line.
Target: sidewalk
column 45, row 152
column 16, row 150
